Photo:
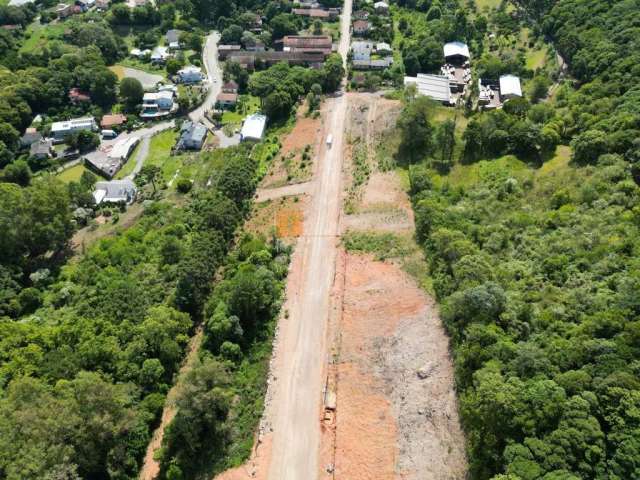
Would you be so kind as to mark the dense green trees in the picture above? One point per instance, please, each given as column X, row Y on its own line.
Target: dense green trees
column 539, row 316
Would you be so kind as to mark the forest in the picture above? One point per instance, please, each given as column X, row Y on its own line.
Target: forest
column 86, row 370
column 529, row 220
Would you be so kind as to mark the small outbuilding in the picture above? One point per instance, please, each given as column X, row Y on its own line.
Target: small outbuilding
column 253, row 127
column 456, row 53
column 381, row 7
column 510, row 87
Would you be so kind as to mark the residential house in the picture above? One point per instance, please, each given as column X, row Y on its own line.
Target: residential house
column 64, row 10
column 157, row 104
column 160, row 55
column 42, row 149
column 383, row 48
column 510, row 87
column 115, row 191
column 456, row 53
column 361, row 15
column 85, row 4
column 253, row 128
column 361, row 50
column 137, row 53
column 432, row 86
column 59, row 130
column 31, row 136
column 192, row 136
column 255, row 46
column 381, row 8
column 372, row 64
column 361, row 27
column 172, row 38
column 307, row 44
column 114, row 120
column 230, row 87
column 225, row 50
column 77, row 96
column 190, row 74
column 226, row 101
column 102, row 4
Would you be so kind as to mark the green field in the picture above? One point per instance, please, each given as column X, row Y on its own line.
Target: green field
column 72, row 174
column 38, row 35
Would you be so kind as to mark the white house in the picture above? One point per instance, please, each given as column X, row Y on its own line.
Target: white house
column 160, row 54
column 163, row 99
column 381, row 7
column 59, row 130
column 510, row 87
column 157, row 104
column 253, row 127
column 383, row 48
column 190, row 74
column 361, row 50
column 115, row 191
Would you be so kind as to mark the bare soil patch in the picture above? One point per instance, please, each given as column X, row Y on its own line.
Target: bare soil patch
column 295, row 164
column 396, row 408
column 284, row 216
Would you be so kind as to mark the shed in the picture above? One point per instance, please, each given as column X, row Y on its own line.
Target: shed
column 510, row 87
column 253, row 127
column 456, row 52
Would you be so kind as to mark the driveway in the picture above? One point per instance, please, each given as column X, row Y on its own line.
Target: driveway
column 214, row 78
column 148, row 80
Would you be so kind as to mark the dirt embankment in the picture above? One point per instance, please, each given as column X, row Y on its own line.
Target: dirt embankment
column 396, row 413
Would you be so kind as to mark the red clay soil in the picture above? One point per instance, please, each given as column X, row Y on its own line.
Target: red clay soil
column 391, row 424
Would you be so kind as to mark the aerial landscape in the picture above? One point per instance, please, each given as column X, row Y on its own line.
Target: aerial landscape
column 320, row 239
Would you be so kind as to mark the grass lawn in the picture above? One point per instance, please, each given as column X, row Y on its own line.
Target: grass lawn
column 72, row 174
column 489, row 4
column 118, row 70
column 37, row 35
column 160, row 154
column 536, row 58
column 247, row 105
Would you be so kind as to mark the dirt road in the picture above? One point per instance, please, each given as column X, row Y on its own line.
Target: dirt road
column 295, row 406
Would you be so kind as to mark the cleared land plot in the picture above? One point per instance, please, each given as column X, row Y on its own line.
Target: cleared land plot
column 148, row 80
column 39, row 34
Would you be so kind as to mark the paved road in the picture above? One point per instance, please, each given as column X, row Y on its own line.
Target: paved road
column 302, row 350
column 214, row 76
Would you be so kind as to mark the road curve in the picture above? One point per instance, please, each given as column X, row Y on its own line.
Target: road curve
column 214, row 77
column 295, row 409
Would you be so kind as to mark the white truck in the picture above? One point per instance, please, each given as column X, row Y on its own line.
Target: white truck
column 329, row 140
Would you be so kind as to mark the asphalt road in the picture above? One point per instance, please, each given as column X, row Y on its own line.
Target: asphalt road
column 214, row 78
column 302, row 350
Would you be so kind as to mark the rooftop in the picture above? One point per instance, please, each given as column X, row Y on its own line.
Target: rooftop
column 253, row 127
column 111, row 120
column 432, row 86
column 510, row 86
column 452, row 49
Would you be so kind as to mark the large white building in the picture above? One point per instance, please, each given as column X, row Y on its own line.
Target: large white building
column 436, row 87
column 59, row 130
column 157, row 104
column 253, row 127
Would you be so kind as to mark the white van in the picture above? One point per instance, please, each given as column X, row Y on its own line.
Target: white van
column 108, row 134
column 329, row 140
